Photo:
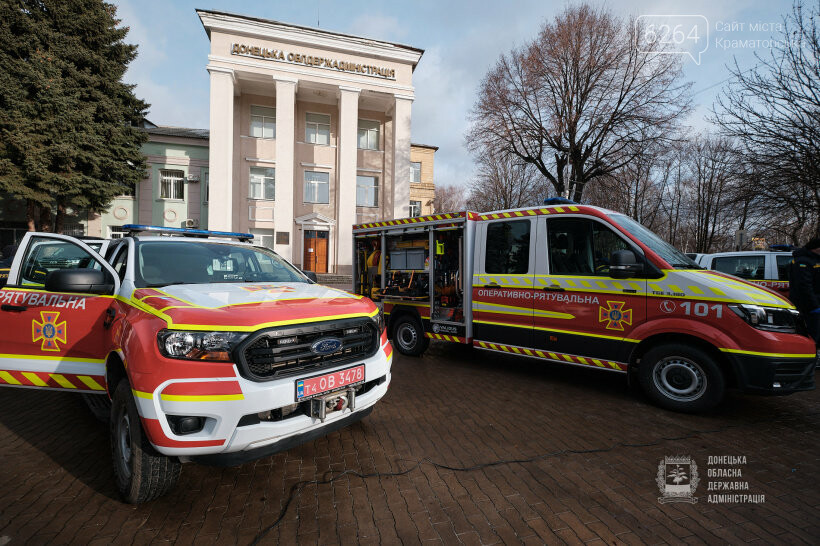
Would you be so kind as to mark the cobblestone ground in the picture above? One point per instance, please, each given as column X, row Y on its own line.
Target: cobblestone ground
column 456, row 407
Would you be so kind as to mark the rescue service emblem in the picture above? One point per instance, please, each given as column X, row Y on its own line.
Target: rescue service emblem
column 269, row 288
column 49, row 331
column 615, row 315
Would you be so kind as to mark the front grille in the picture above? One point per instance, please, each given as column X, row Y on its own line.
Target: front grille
column 264, row 356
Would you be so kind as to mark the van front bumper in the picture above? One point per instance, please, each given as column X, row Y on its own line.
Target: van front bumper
column 773, row 375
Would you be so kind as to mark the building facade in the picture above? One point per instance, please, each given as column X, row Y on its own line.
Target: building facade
column 422, row 186
column 310, row 134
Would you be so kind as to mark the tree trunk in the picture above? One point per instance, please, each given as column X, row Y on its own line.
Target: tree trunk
column 59, row 218
column 45, row 219
column 31, row 212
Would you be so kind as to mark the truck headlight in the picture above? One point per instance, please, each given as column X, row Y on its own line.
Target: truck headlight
column 773, row 319
column 214, row 346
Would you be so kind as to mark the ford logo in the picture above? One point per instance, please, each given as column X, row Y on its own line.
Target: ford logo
column 326, row 346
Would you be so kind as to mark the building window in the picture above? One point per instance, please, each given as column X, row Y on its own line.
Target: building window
column 263, row 237
column 415, row 208
column 116, row 232
column 367, row 191
column 171, row 185
column 317, row 187
column 317, row 129
column 415, row 171
column 206, row 189
column 263, row 183
column 368, row 134
column 263, row 122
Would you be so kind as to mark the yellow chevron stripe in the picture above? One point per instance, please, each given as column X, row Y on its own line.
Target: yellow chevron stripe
column 90, row 383
column 65, row 383
column 8, row 378
column 34, row 379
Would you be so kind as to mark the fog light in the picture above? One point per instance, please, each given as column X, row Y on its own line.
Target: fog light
column 776, row 385
column 182, row 424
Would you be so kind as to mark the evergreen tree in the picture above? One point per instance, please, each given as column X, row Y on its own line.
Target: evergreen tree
column 68, row 135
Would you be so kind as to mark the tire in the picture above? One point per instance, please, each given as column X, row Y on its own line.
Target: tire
column 408, row 337
column 681, row 378
column 99, row 405
column 141, row 473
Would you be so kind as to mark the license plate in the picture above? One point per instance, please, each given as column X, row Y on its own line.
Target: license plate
column 322, row 384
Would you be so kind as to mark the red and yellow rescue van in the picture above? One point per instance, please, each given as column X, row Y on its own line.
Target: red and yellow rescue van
column 584, row 286
column 210, row 349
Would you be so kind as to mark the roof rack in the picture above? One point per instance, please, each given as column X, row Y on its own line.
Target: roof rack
column 131, row 229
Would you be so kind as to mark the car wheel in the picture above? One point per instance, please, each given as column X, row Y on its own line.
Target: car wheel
column 681, row 378
column 409, row 337
column 141, row 473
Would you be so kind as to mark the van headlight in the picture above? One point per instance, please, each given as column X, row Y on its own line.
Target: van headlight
column 773, row 319
column 214, row 346
column 379, row 320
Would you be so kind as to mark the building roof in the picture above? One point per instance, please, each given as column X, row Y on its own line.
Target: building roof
column 363, row 39
column 429, row 146
column 177, row 132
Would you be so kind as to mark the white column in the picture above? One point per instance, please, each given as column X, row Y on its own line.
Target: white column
column 220, row 152
column 401, row 156
column 346, row 194
column 285, row 136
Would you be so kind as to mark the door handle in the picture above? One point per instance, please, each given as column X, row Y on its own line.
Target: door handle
column 554, row 288
column 493, row 285
column 110, row 315
column 13, row 308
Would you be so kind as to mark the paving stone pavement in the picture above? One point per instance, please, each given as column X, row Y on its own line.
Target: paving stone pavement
column 457, row 407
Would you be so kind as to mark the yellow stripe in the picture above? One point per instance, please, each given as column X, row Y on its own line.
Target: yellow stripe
column 34, row 379
column 542, row 355
column 598, row 362
column 528, row 352
column 696, row 290
column 778, row 355
column 582, row 360
column 90, row 383
column 554, row 356
column 559, row 209
column 53, row 358
column 717, row 291
column 65, row 383
column 201, row 398
column 567, row 358
column 140, row 394
column 8, row 378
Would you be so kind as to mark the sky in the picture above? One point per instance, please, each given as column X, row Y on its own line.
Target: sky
column 462, row 41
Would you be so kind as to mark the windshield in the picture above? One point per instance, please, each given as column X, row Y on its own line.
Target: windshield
column 160, row 263
column 672, row 255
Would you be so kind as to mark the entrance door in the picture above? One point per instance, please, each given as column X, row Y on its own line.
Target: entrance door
column 315, row 258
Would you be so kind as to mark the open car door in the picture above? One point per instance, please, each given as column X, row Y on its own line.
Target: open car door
column 55, row 314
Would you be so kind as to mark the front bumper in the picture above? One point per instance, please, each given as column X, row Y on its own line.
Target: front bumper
column 773, row 375
column 230, row 423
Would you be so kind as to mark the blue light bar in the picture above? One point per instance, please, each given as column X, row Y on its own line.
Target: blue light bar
column 559, row 201
column 137, row 228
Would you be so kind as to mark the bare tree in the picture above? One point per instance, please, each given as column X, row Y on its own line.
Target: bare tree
column 449, row 198
column 773, row 110
column 579, row 100
column 505, row 182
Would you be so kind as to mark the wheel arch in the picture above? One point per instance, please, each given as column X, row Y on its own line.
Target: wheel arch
column 114, row 373
column 397, row 313
column 687, row 339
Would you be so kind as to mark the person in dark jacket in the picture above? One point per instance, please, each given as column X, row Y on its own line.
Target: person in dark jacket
column 804, row 285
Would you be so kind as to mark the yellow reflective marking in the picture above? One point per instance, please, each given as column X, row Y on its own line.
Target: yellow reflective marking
column 675, row 288
column 34, row 379
column 695, row 289
column 544, row 211
column 90, row 383
column 516, row 350
column 201, row 398
column 570, row 282
column 559, row 209
column 634, row 286
column 573, row 209
column 539, row 353
column 655, row 288
column 586, row 284
column 616, row 284
column 531, row 212
column 602, row 284
column 567, row 358
column 8, row 378
column 777, row 355
column 553, row 356
column 53, row 358
column 582, row 360
column 519, row 213
column 598, row 362
column 717, row 291
column 528, row 352
column 65, row 383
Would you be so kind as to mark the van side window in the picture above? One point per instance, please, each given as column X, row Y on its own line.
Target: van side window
column 508, row 247
column 45, row 255
column 745, row 267
column 579, row 246
column 121, row 261
column 783, row 267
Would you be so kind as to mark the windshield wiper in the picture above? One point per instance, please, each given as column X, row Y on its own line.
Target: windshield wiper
column 158, row 284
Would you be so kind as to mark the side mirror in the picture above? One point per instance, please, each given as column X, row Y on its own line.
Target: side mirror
column 85, row 281
column 624, row 264
column 311, row 275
